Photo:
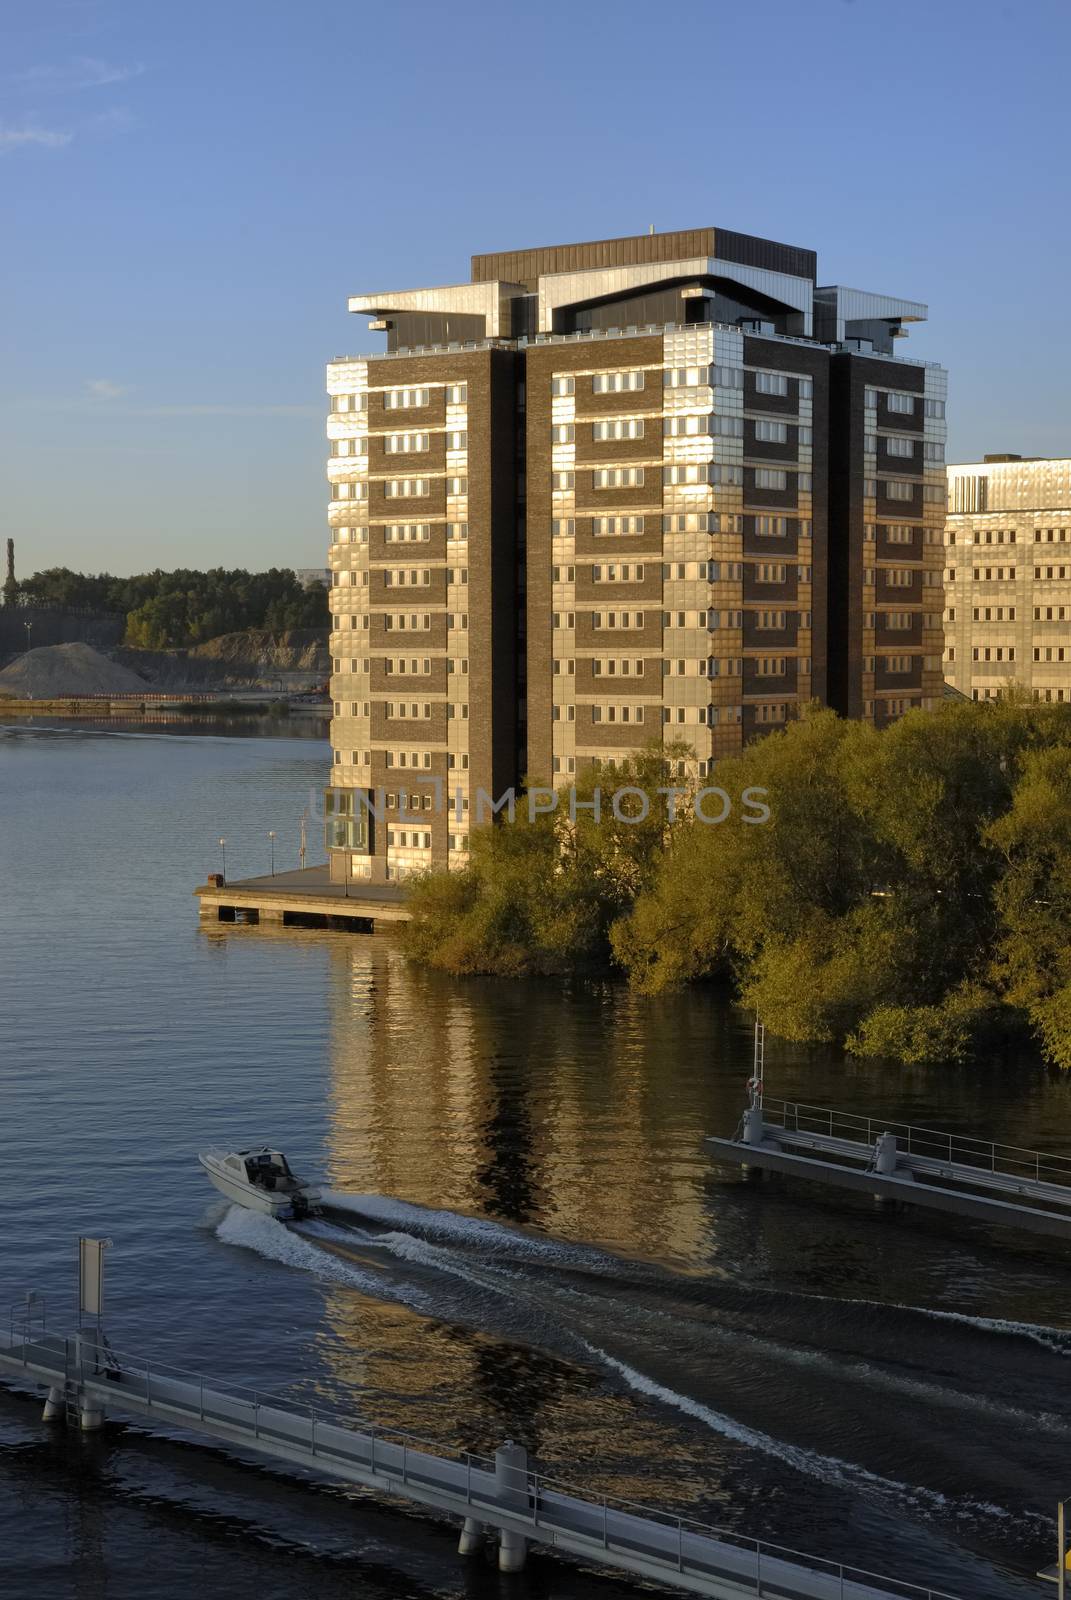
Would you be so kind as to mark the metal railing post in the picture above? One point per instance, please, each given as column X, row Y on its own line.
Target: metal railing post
column 468, row 1478
column 1061, row 1558
column 758, row 1569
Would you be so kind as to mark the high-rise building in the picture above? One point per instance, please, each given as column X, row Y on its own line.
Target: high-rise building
column 654, row 488
column 1008, row 577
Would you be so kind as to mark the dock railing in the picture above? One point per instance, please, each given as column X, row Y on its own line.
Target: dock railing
column 557, row 1511
column 986, row 1155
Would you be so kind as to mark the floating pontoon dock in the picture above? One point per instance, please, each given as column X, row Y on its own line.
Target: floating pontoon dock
column 85, row 1377
column 990, row 1182
column 303, row 899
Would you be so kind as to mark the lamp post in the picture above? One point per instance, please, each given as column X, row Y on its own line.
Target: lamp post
column 29, row 664
column 223, row 852
column 1061, row 1554
column 271, row 836
column 301, row 854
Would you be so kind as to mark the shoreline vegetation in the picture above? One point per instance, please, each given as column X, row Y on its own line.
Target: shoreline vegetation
column 909, row 898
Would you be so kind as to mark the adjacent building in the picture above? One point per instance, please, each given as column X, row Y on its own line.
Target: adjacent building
column 656, row 488
column 1008, row 577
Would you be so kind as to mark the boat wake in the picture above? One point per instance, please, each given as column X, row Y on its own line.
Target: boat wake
column 500, row 1282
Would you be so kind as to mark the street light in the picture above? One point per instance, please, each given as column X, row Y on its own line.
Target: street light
column 223, row 852
column 271, row 836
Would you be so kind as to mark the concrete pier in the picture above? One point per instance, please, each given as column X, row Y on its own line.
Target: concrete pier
column 511, row 1487
column 471, row 1538
column 303, row 899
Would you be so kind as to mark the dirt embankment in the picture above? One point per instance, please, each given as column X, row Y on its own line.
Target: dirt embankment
column 289, row 662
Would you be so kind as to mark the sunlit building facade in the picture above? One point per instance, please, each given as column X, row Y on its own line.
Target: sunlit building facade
column 663, row 488
column 1007, row 613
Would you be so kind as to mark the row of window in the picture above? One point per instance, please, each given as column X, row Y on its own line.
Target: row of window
column 414, row 488
column 894, row 532
column 617, row 713
column 405, row 399
column 767, row 527
column 995, row 652
column 775, row 383
column 702, row 572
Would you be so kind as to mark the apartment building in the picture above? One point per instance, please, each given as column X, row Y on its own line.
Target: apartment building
column 657, row 488
column 1008, row 577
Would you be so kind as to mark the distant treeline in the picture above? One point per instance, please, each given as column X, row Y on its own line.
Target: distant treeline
column 910, row 895
column 165, row 610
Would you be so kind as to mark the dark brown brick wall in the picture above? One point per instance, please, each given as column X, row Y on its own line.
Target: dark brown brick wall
column 542, row 363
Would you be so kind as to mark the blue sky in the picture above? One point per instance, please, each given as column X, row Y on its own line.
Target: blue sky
column 190, row 193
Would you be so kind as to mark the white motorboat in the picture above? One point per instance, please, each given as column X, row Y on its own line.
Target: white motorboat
column 262, row 1180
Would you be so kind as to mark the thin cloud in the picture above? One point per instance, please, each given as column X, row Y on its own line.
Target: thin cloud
column 105, row 389
column 29, row 134
column 83, row 72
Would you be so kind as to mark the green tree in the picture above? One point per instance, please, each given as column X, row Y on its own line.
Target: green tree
column 1032, row 959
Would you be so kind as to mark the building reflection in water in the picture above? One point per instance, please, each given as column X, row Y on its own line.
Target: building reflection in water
column 581, row 1117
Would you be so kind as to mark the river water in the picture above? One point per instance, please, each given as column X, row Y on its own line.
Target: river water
column 527, row 1239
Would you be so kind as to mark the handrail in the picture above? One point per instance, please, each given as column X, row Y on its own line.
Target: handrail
column 540, row 1514
column 958, row 1148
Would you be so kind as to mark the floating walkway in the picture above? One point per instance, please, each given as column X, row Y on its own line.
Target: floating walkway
column 994, row 1183
column 85, row 1378
column 303, row 899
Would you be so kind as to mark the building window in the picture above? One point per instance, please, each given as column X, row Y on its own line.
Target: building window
column 624, row 620
column 771, row 432
column 615, row 382
column 771, row 383
column 897, row 445
column 897, row 489
column 615, row 527
column 563, row 527
column 617, row 478
column 770, row 478
column 457, row 531
column 457, row 439
column 561, row 386
column 562, row 433
column 407, row 488
column 407, row 532
column 617, row 572
column 903, row 404
column 404, row 444
column 562, row 482
column 618, row 428
column 771, row 527
column 457, row 394
column 404, row 399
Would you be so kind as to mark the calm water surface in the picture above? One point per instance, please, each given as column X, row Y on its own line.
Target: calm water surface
column 528, row 1240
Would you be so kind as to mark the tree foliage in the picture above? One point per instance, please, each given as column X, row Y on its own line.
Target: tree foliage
column 910, row 894
column 168, row 609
